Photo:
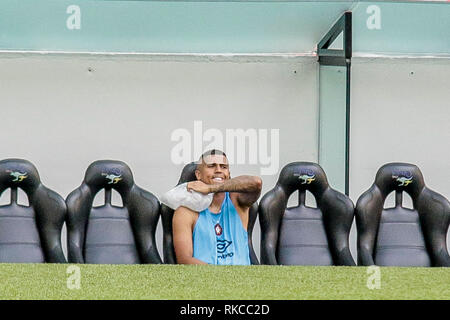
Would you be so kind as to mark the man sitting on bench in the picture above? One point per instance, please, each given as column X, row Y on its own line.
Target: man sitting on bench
column 218, row 234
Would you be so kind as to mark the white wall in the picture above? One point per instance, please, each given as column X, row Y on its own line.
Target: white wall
column 61, row 116
column 400, row 112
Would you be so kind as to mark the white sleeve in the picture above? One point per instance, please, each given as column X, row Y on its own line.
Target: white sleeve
column 180, row 196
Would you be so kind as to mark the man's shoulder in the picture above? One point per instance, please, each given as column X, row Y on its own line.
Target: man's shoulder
column 185, row 217
column 185, row 212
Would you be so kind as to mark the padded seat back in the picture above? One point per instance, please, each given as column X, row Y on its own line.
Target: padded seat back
column 188, row 174
column 400, row 240
column 110, row 234
column 400, row 236
column 29, row 234
column 19, row 236
column 302, row 238
column 303, row 235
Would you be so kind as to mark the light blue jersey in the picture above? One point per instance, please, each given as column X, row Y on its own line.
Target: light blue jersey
column 221, row 238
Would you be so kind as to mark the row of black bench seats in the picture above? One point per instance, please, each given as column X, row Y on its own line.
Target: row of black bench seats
column 298, row 235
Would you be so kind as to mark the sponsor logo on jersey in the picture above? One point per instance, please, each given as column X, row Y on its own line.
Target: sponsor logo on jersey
column 222, row 246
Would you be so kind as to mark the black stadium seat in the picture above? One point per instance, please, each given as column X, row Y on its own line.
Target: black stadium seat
column 188, row 174
column 29, row 234
column 303, row 235
column 110, row 234
column 400, row 236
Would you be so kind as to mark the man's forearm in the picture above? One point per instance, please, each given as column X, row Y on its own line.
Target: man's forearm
column 239, row 184
column 190, row 260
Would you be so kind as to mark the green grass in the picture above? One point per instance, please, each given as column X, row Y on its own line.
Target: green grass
column 49, row 281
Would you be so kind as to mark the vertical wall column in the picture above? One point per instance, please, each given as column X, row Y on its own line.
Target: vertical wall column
column 334, row 103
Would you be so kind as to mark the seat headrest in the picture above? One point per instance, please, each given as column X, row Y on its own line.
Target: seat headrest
column 303, row 176
column 109, row 174
column 398, row 176
column 18, row 173
column 188, row 173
